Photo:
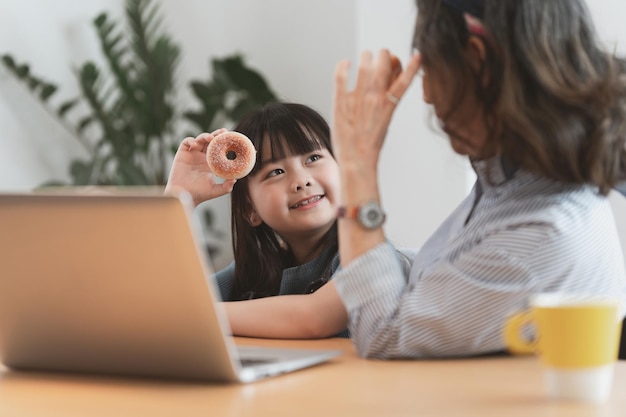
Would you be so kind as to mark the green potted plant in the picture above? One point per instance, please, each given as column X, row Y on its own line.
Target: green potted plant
column 129, row 127
column 126, row 116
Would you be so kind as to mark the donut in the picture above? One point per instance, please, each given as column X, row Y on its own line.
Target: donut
column 231, row 155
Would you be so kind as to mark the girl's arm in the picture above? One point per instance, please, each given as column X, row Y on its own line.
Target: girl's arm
column 191, row 172
column 306, row 316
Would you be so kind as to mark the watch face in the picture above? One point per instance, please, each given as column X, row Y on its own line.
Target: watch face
column 371, row 215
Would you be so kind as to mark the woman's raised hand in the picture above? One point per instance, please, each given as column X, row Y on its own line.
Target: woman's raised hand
column 191, row 172
column 361, row 116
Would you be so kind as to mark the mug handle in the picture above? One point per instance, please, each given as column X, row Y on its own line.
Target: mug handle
column 515, row 343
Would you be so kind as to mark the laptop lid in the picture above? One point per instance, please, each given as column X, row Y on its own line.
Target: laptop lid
column 115, row 284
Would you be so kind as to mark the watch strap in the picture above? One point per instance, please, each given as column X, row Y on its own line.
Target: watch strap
column 348, row 212
column 369, row 215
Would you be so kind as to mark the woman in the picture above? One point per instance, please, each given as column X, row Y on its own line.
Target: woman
column 523, row 89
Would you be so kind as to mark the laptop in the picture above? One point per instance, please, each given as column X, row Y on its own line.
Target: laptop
column 119, row 283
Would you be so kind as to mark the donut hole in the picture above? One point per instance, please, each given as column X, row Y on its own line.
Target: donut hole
column 231, row 155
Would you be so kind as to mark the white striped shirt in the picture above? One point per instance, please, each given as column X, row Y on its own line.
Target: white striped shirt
column 526, row 234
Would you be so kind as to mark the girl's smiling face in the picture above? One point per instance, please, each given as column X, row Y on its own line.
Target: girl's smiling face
column 297, row 196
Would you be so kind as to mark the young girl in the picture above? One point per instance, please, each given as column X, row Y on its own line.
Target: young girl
column 283, row 213
column 526, row 92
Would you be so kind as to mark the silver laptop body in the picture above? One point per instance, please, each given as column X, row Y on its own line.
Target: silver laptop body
column 118, row 284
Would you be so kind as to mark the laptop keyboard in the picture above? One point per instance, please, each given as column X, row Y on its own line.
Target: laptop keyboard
column 256, row 361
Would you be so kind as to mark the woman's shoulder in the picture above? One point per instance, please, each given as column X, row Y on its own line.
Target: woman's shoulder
column 537, row 215
column 531, row 198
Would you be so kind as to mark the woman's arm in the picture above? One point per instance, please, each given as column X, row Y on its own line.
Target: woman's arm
column 360, row 121
column 307, row 316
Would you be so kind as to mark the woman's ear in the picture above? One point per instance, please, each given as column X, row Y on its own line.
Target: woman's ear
column 254, row 218
column 476, row 53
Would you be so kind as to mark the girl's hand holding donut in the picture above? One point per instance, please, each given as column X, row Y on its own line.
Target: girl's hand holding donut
column 191, row 172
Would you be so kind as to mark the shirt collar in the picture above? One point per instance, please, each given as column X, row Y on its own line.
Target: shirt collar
column 494, row 171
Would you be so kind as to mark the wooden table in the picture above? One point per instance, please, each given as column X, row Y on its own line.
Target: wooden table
column 345, row 386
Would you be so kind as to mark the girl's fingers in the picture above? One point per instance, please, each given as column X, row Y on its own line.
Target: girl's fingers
column 203, row 139
column 207, row 137
column 219, row 131
column 187, row 144
column 228, row 185
column 200, row 142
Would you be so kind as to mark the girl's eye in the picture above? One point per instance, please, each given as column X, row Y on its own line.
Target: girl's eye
column 275, row 172
column 313, row 158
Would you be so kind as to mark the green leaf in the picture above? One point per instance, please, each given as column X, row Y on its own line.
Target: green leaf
column 83, row 123
column 22, row 71
column 89, row 73
column 100, row 20
column 233, row 71
column 52, row 183
column 130, row 174
column 33, row 83
column 81, row 172
column 47, row 90
column 203, row 120
column 9, row 62
column 242, row 107
column 67, row 106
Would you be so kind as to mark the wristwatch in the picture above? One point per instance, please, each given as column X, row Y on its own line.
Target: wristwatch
column 370, row 215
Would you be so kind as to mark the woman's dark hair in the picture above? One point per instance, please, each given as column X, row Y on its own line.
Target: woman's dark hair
column 260, row 255
column 554, row 100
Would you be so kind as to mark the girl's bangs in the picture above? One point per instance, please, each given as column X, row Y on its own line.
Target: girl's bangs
column 284, row 140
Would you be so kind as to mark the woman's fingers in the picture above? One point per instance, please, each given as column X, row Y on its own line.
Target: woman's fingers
column 341, row 79
column 383, row 69
column 365, row 73
column 362, row 114
column 340, row 105
column 403, row 81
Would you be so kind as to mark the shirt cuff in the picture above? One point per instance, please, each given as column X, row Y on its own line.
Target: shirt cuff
column 375, row 274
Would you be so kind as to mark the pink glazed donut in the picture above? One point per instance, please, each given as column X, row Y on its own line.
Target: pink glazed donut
column 231, row 155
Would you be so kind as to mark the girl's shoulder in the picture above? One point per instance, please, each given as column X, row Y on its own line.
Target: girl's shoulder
column 225, row 281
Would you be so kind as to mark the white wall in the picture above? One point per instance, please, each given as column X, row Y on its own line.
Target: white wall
column 54, row 36
column 294, row 43
column 421, row 178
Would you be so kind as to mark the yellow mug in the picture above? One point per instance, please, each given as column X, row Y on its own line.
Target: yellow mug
column 577, row 339
column 572, row 332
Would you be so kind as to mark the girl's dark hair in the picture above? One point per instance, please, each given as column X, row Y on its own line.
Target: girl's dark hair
column 554, row 100
column 260, row 255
